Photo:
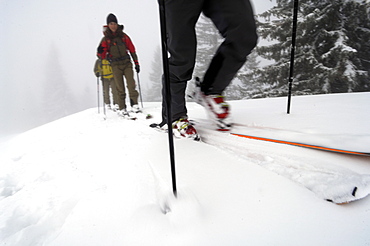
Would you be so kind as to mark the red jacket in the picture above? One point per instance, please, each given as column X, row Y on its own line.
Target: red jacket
column 112, row 49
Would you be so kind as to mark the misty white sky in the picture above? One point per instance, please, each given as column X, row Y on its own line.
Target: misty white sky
column 68, row 31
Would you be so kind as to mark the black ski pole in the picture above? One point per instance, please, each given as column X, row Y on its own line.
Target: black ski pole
column 294, row 31
column 166, row 74
column 141, row 97
column 97, row 79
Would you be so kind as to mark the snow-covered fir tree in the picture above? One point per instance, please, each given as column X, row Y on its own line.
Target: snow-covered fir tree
column 58, row 100
column 154, row 93
column 244, row 85
column 332, row 47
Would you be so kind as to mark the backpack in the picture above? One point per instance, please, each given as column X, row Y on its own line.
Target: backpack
column 118, row 49
column 106, row 69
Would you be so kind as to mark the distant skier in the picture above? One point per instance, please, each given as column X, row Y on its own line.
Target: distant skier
column 235, row 21
column 103, row 70
column 116, row 46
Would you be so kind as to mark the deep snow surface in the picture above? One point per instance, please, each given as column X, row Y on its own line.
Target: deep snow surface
column 92, row 180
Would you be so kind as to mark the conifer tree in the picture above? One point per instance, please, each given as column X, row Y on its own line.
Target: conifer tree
column 248, row 86
column 58, row 99
column 332, row 47
column 154, row 93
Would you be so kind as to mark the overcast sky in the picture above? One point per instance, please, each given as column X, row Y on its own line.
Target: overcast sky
column 32, row 31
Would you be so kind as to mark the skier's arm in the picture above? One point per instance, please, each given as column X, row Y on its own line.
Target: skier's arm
column 103, row 49
column 97, row 68
column 131, row 48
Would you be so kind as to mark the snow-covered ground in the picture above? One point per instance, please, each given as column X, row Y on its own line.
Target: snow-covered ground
column 86, row 180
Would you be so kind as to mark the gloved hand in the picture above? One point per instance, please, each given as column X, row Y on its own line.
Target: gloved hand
column 100, row 49
column 137, row 68
column 97, row 74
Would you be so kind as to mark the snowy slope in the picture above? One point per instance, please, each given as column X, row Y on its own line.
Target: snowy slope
column 86, row 180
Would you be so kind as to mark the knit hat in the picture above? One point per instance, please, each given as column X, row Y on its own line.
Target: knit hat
column 111, row 18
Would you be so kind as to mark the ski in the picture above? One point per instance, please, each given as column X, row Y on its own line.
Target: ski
column 350, row 187
column 310, row 146
column 353, row 194
column 142, row 115
column 330, row 185
column 157, row 127
column 134, row 114
column 128, row 117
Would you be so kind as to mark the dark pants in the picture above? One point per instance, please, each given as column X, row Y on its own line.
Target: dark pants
column 235, row 21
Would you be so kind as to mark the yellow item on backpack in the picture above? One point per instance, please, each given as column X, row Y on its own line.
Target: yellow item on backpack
column 106, row 68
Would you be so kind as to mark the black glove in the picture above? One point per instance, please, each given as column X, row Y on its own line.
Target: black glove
column 100, row 49
column 97, row 75
column 137, row 68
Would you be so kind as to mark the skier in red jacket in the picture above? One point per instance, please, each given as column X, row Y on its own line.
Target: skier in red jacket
column 117, row 47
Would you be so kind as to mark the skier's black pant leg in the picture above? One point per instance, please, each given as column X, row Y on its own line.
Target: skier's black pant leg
column 235, row 21
column 178, row 108
column 181, row 18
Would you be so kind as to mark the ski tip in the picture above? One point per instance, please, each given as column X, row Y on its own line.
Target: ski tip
column 349, row 200
column 154, row 125
column 338, row 203
column 197, row 138
column 130, row 118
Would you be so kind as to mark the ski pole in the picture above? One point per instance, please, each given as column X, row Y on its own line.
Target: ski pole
column 166, row 74
column 295, row 14
column 97, row 79
column 102, row 86
column 138, row 82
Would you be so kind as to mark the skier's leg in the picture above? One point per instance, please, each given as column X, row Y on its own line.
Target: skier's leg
column 129, row 75
column 181, row 16
column 120, row 86
column 235, row 21
column 106, row 91
column 114, row 91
